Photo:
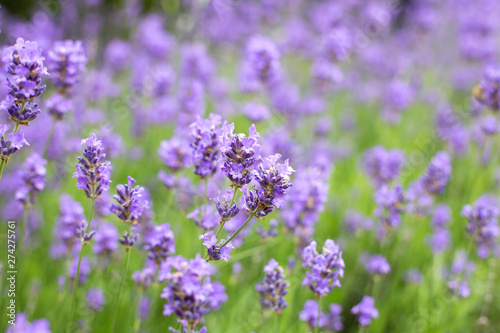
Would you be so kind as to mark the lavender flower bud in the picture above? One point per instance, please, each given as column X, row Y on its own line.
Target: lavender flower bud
column 132, row 202
column 438, row 173
column 12, row 144
column 274, row 287
column 224, row 207
column 32, row 174
column 214, row 250
column 159, row 242
column 365, row 310
column 128, row 240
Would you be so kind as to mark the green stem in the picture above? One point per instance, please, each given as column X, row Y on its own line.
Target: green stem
column 221, row 226
column 316, row 328
column 77, row 276
column 137, row 323
column 2, row 164
column 121, row 285
column 49, row 139
column 238, row 231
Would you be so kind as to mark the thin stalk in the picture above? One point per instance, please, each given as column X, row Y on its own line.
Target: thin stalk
column 238, row 231
column 77, row 276
column 204, row 204
column 49, row 139
column 316, row 328
column 2, row 164
column 221, row 226
column 121, row 284
column 137, row 323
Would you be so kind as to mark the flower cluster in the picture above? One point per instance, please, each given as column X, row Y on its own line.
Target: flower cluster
column 131, row 202
column 273, row 181
column 390, row 205
column 216, row 251
column 376, row 264
column 160, row 243
column 226, row 207
column 106, row 240
column 383, row 166
column 274, row 287
column 206, row 140
column 488, row 90
column 325, row 268
column 365, row 311
column 261, row 64
column 175, row 153
column 438, row 173
column 239, row 153
column 482, row 224
column 440, row 239
column 93, row 171
column 22, row 325
column 189, row 291
column 32, row 175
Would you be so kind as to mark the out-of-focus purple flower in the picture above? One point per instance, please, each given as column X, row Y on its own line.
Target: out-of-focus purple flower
column 226, row 208
column 439, row 241
column 354, row 221
column 460, row 273
column 390, row 205
column 66, row 61
column 144, row 306
column 70, row 219
column 413, row 275
column 24, row 326
column 93, row 172
column 271, row 232
column 274, row 287
column 160, row 243
column 152, row 35
column 189, row 291
column 375, row 264
column 85, row 269
column 461, row 289
column 325, row 268
column 261, row 64
column 206, row 220
column 420, row 202
column 131, row 202
column 106, row 240
column 441, row 216
column 383, row 166
column 337, row 44
column 365, row 310
column 482, row 224
column 398, row 97
column 116, row 55
column 488, row 90
column 196, row 63
column 144, row 277
column 239, row 153
column 334, row 318
column 175, row 153
column 206, row 140
column 95, row 299
column 310, row 314
column 32, row 174
column 273, row 181
column 438, row 173
column 191, row 99
column 214, row 250
column 256, row 112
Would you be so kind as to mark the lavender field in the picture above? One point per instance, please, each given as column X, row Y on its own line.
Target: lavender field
column 250, row 166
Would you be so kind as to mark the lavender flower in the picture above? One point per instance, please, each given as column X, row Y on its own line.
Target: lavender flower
column 482, row 224
column 66, row 61
column 355, row 221
column 24, row 326
column 128, row 240
column 189, row 291
column 325, row 268
column 84, row 270
column 383, row 166
column 334, row 318
column 32, row 175
column 12, row 144
column 25, row 66
column 106, row 240
column 239, row 153
column 225, row 206
column 310, row 314
column 175, row 153
column 273, row 179
column 214, row 250
column 93, row 171
column 460, row 274
column 274, row 287
column 438, row 173
column 390, row 205
column 206, row 221
column 206, row 141
column 159, row 242
column 376, row 264
column 131, row 202
column 488, row 90
column 365, row 310
column 144, row 277
column 439, row 241
column 95, row 299
column 261, row 61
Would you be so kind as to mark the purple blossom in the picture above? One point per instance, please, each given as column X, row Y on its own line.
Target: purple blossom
column 325, row 269
column 12, row 144
column 488, row 90
column 206, row 220
column 334, row 318
column 365, row 310
column 383, row 166
column 85, row 269
column 196, row 63
column 390, row 205
column 439, row 241
column 93, row 172
column 413, row 275
column 438, row 173
column 95, row 299
column 376, row 264
column 189, row 291
column 239, row 153
column 160, row 243
column 261, row 64
column 66, row 62
column 226, row 208
column 355, row 221
column 32, row 174
column 274, row 287
column 214, row 250
column 482, row 224
column 256, row 112
column 24, row 326
column 132, row 202
column 175, row 153
column 206, row 141
column 441, row 216
column 144, row 277
column 310, row 314
column 106, row 240
column 117, row 54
